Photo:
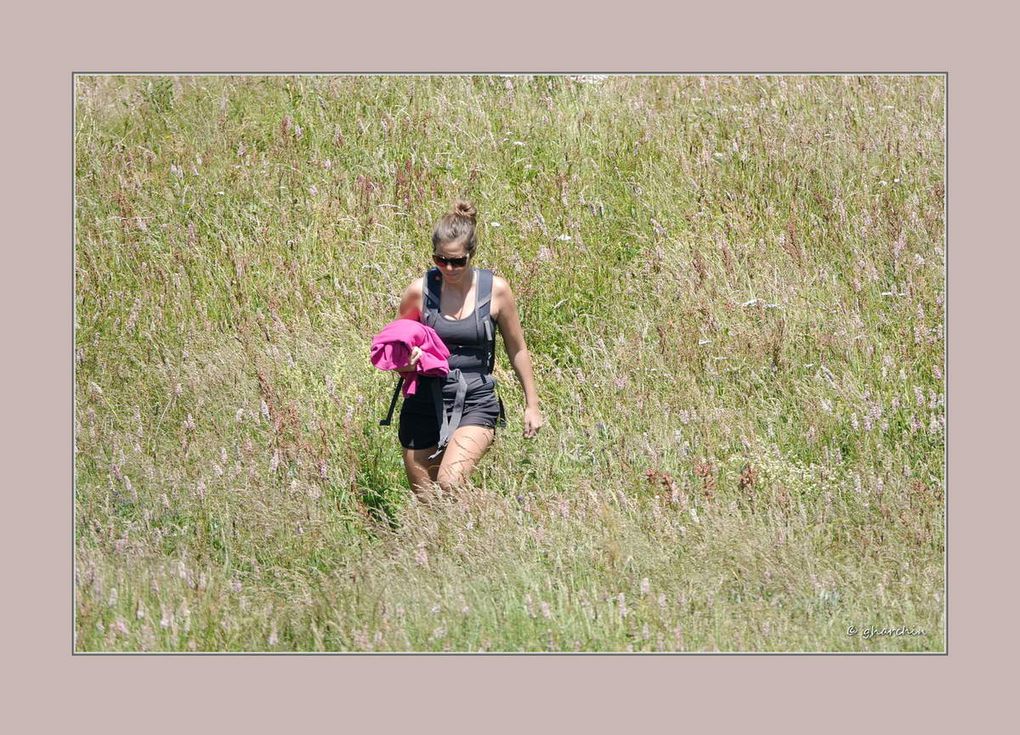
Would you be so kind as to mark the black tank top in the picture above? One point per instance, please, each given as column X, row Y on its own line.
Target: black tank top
column 465, row 338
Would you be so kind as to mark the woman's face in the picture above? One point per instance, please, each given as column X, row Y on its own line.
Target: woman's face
column 451, row 272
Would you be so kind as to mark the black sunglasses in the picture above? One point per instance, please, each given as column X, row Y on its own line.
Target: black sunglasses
column 455, row 262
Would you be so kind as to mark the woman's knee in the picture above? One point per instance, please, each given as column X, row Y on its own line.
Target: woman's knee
column 450, row 480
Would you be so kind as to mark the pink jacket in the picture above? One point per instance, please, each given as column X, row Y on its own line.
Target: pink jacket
column 391, row 348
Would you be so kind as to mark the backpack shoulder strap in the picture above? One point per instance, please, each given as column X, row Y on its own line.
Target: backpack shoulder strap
column 485, row 324
column 483, row 300
column 432, row 287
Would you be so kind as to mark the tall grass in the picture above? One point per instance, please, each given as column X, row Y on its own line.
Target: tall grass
column 732, row 290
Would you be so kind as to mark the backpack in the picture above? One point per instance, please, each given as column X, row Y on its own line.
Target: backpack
column 430, row 315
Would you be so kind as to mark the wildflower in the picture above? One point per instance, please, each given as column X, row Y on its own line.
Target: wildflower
column 621, row 605
column 898, row 246
column 662, row 601
column 200, row 488
column 274, row 461
column 178, row 389
column 421, row 557
column 120, row 626
column 529, row 606
column 495, row 224
column 645, row 586
column 274, row 638
column 189, row 423
column 235, row 585
column 826, row 405
column 313, row 190
column 546, row 612
column 264, row 409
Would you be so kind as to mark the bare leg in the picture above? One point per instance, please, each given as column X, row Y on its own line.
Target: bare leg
column 421, row 471
column 466, row 447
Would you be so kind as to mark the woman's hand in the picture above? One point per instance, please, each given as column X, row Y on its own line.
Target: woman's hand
column 412, row 361
column 533, row 421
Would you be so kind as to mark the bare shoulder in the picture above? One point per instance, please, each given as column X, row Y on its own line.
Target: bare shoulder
column 500, row 287
column 415, row 286
column 502, row 296
column 411, row 299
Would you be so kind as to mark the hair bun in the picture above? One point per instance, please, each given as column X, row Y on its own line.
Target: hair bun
column 465, row 209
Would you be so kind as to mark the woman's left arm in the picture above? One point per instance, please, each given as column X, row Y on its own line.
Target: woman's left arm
column 513, row 339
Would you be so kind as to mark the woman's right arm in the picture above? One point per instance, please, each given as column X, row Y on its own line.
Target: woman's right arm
column 411, row 302
column 410, row 308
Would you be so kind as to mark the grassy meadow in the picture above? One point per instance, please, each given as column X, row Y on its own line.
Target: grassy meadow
column 732, row 290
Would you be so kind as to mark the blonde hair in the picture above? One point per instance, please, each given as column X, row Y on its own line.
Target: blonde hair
column 457, row 225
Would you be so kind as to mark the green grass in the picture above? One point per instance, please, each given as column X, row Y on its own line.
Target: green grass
column 732, row 291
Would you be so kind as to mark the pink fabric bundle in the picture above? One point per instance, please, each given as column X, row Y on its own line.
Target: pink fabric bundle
column 391, row 349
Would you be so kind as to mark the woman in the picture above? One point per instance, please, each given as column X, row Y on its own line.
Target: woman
column 465, row 306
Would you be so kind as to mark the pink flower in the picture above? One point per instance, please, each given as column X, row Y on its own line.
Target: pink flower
column 421, row 557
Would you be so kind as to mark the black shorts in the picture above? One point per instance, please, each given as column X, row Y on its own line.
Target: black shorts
column 419, row 422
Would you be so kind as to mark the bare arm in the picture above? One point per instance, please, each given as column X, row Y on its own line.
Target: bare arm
column 410, row 308
column 517, row 350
